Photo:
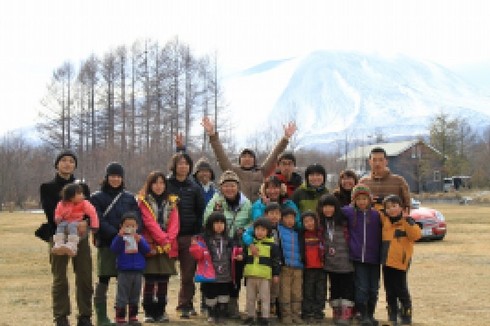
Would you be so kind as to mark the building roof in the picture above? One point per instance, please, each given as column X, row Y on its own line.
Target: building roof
column 392, row 149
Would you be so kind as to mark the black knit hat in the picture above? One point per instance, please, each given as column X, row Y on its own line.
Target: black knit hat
column 248, row 151
column 62, row 153
column 315, row 168
column 114, row 168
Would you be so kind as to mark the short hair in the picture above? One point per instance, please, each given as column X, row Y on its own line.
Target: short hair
column 70, row 190
column 272, row 206
column 288, row 211
column 349, row 174
column 286, row 156
column 392, row 199
column 377, row 150
column 176, row 158
column 131, row 215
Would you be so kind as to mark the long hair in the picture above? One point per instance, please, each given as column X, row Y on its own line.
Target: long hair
column 151, row 179
column 328, row 199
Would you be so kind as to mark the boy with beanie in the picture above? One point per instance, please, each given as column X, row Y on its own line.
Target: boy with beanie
column 364, row 225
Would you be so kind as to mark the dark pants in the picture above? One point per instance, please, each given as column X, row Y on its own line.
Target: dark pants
column 341, row 286
column 187, row 271
column 214, row 290
column 128, row 288
column 314, row 287
column 366, row 283
column 237, row 284
column 82, row 267
column 396, row 287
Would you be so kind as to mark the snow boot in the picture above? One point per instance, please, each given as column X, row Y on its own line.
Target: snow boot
column 121, row 316
column 72, row 244
column 346, row 307
column 59, row 247
column 406, row 316
column 100, row 305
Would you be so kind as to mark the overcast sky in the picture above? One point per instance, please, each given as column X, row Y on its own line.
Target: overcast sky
column 38, row 36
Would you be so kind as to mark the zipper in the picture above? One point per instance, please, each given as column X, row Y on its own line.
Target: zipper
column 364, row 238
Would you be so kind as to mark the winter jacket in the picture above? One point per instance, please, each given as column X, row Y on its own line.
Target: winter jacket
column 237, row 218
column 248, row 236
column 291, row 244
column 364, row 234
column 398, row 239
column 156, row 234
column 190, row 205
column 209, row 193
column 216, row 250
column 344, row 196
column 75, row 212
column 386, row 184
column 250, row 180
column 292, row 184
column 267, row 264
column 337, row 258
column 130, row 261
column 110, row 224
column 313, row 249
column 50, row 193
column 306, row 197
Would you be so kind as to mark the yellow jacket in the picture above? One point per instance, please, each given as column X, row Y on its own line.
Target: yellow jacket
column 398, row 239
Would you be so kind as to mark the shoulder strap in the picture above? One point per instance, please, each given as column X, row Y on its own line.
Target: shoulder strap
column 108, row 209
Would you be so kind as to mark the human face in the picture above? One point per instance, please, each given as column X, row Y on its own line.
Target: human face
column 274, row 216
column 309, row 223
column 315, row 179
column 260, row 232
column 129, row 226
column 378, row 163
column 347, row 182
column 66, row 166
column 115, row 181
column 393, row 209
column 218, row 227
column 286, row 167
column 362, row 202
column 247, row 160
column 273, row 192
column 182, row 168
column 158, row 187
column 288, row 220
column 203, row 176
column 79, row 197
column 229, row 189
column 328, row 210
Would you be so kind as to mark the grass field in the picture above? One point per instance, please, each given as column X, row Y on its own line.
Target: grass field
column 449, row 280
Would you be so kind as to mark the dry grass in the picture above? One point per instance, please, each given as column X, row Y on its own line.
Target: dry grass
column 449, row 279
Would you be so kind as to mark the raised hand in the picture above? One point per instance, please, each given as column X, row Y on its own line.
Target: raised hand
column 179, row 140
column 289, row 129
column 208, row 126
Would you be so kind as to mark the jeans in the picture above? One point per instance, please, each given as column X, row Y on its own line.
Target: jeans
column 366, row 280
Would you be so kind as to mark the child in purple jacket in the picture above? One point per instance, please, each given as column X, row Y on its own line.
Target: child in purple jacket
column 130, row 249
column 364, row 226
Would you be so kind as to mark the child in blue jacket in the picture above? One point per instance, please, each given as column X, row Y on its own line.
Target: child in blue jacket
column 130, row 249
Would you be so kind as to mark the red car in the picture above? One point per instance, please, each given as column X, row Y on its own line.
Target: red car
column 431, row 221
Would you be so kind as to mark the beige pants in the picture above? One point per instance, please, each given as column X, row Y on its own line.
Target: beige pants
column 291, row 291
column 258, row 288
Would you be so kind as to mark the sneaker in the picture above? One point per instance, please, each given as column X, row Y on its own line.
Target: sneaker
column 162, row 319
column 185, row 314
column 62, row 321
column 149, row 319
column 84, row 321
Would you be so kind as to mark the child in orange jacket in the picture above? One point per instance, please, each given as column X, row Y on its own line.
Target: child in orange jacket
column 399, row 235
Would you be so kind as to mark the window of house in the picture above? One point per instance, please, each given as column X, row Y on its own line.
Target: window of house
column 437, row 175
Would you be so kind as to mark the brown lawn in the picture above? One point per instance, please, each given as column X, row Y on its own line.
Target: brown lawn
column 449, row 279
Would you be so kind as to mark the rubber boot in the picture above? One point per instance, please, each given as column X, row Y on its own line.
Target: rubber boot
column 212, row 312
column 233, row 311
column 346, row 309
column 392, row 314
column 100, row 305
column 363, row 311
column 59, row 247
column 406, row 316
column 221, row 310
column 72, row 244
column 121, row 316
column 336, row 310
column 133, row 315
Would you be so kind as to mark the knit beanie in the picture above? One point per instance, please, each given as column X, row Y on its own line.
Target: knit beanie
column 229, row 175
column 114, row 168
column 203, row 164
column 360, row 189
column 315, row 168
column 62, row 153
column 248, row 151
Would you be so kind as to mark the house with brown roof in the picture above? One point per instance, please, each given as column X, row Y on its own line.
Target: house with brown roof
column 419, row 163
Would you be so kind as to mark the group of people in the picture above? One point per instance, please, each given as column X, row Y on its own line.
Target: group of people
column 261, row 226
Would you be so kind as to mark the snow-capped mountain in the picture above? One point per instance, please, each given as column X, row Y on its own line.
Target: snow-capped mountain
column 333, row 96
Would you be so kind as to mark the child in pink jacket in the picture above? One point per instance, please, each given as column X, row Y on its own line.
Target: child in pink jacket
column 69, row 212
